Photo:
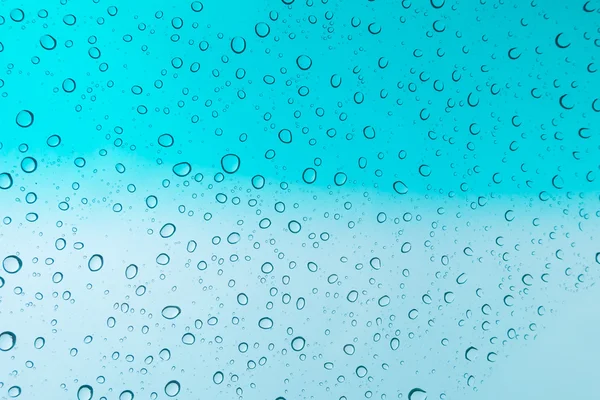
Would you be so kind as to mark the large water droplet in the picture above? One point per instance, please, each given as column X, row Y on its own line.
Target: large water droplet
column 182, row 169
column 298, row 343
column 417, row 394
column 400, row 187
column 8, row 340
column 85, row 392
column 304, row 62
column 172, row 388
column 230, row 163
column 6, row 180
column 96, row 262
column 12, row 264
column 167, row 230
column 171, row 312
column 24, row 118
column 29, row 165
column 48, row 42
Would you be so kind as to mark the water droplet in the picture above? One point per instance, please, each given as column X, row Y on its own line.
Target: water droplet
column 369, row 132
column 17, row 15
column 471, row 353
column 400, row 187
column 304, row 62
column 230, row 163
column 48, row 42
column 6, row 180
column 417, row 394
column 69, row 86
column 166, row 140
column 294, row 226
column 172, row 388
column 8, row 340
column 298, row 343
column 262, row 29
column 14, row 391
column 167, row 230
column 340, row 179
column 238, row 45
column 182, row 169
column 29, row 165
column 53, row 141
column 85, row 392
column 95, row 263
column 12, row 264
column 218, row 377
column 171, row 312
column 265, row 323
column 309, row 175
column 24, row 118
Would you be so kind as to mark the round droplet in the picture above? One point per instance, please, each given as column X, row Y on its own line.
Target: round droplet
column 126, row 395
column 294, row 226
column 265, row 323
column 298, row 343
column 400, row 187
column 6, row 181
column 369, row 132
column 17, row 15
column 69, row 85
column 172, row 388
column 258, row 181
column 171, row 312
column 262, row 29
column 197, row 6
column 349, row 349
column 24, row 118
column 285, row 135
column 28, row 165
column 188, row 339
column 48, row 42
column 304, row 62
column 151, row 201
column 166, row 140
column 340, row 178
column 96, row 263
column 8, row 340
column 12, row 264
column 167, row 230
column 85, row 392
column 182, row 169
column 238, row 45
column 309, row 175
column 230, row 163
column 417, row 394
column 14, row 392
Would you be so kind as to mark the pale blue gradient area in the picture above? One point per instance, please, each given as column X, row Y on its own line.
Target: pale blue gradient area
column 560, row 364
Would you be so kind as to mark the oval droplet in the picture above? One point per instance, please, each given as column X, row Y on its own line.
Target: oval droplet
column 96, row 263
column 171, row 312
